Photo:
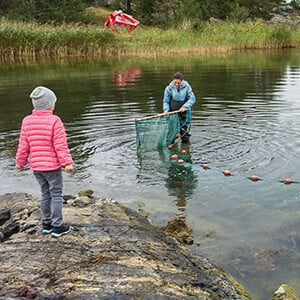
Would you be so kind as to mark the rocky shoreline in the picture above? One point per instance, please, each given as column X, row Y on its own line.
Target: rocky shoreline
column 113, row 252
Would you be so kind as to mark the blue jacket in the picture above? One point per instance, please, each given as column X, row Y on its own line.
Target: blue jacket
column 184, row 94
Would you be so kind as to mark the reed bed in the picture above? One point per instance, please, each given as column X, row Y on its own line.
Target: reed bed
column 218, row 37
column 30, row 40
column 19, row 39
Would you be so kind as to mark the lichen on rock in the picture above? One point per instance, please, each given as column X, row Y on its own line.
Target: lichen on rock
column 285, row 292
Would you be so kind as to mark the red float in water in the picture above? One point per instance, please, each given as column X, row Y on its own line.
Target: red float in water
column 180, row 161
column 226, row 173
column 254, row 178
column 287, row 181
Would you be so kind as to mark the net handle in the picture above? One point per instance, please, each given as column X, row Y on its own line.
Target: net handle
column 159, row 115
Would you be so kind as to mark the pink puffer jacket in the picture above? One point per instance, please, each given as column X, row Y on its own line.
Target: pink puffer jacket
column 43, row 139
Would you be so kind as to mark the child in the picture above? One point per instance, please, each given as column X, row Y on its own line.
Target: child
column 43, row 140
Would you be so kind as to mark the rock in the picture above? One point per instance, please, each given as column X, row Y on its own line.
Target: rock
column 143, row 212
column 15, row 214
column 68, row 198
column 4, row 216
column 278, row 19
column 139, row 203
column 286, row 9
column 86, row 193
column 215, row 21
column 82, row 201
column 180, row 231
column 112, row 253
column 285, row 292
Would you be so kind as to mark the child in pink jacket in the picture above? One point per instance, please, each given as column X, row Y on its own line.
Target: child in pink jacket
column 43, row 141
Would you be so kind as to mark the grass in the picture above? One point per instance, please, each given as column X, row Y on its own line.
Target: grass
column 30, row 40
column 18, row 39
column 220, row 37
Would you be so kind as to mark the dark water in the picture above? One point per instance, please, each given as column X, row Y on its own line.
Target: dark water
column 246, row 120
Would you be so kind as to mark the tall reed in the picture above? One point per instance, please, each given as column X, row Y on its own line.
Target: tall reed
column 216, row 37
column 31, row 40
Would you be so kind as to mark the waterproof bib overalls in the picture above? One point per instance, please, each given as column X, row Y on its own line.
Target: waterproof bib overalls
column 184, row 125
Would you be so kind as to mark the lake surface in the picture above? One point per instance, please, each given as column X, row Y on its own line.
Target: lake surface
column 246, row 120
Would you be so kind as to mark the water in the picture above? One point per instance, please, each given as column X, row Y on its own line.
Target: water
column 246, row 120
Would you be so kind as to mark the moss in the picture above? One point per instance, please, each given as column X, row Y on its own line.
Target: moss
column 86, row 193
column 239, row 287
column 180, row 231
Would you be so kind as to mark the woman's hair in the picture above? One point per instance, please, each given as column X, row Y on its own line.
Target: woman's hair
column 178, row 75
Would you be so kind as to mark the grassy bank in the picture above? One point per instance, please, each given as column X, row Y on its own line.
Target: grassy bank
column 30, row 40
column 218, row 37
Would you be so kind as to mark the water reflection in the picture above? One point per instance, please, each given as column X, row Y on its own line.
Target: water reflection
column 179, row 177
column 181, row 180
column 126, row 77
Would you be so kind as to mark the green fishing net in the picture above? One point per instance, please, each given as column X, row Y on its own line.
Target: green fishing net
column 157, row 131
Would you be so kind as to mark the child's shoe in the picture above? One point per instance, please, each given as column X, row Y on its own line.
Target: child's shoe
column 59, row 231
column 47, row 228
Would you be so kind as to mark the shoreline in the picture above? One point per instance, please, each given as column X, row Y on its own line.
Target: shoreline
column 111, row 252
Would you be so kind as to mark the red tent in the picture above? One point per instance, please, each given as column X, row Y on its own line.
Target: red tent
column 120, row 18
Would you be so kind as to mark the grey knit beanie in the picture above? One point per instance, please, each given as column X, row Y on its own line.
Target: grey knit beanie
column 42, row 98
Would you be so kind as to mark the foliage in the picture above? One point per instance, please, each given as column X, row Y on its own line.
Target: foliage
column 168, row 13
column 96, row 15
column 19, row 39
column 295, row 4
column 44, row 11
column 195, row 11
column 258, row 8
column 30, row 39
column 162, row 13
column 238, row 13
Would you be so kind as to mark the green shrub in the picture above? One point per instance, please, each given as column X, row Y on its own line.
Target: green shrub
column 238, row 13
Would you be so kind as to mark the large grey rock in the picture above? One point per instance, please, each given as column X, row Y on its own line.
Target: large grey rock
column 285, row 292
column 112, row 253
column 279, row 19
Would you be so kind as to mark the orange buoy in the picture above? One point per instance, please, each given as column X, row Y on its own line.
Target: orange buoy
column 170, row 146
column 226, row 173
column 174, row 156
column 177, row 135
column 205, row 166
column 287, row 181
column 183, row 151
column 180, row 161
column 254, row 178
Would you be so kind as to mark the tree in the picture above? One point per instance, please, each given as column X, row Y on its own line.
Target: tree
column 163, row 13
column 44, row 11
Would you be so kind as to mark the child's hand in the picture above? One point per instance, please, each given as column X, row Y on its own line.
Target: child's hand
column 69, row 168
column 19, row 167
